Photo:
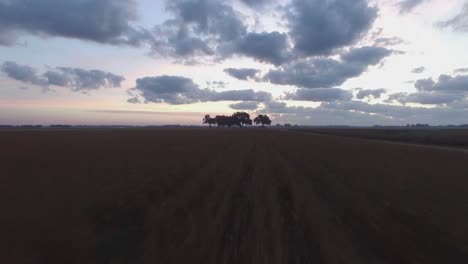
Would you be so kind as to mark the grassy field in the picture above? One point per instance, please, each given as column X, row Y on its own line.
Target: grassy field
column 227, row 196
column 454, row 137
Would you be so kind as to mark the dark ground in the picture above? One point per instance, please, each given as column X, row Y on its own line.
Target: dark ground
column 447, row 137
column 227, row 196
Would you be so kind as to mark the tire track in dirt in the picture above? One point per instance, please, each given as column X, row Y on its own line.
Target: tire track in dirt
column 297, row 241
column 321, row 237
column 375, row 229
column 189, row 206
column 238, row 220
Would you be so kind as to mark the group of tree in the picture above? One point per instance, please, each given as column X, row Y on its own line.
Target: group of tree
column 239, row 119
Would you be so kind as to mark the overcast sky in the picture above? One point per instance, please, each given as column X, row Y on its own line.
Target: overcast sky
column 310, row 62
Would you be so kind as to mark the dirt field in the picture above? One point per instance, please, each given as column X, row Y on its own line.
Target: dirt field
column 448, row 137
column 227, row 196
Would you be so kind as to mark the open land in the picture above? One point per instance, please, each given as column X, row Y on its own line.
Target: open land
column 228, row 196
column 447, row 137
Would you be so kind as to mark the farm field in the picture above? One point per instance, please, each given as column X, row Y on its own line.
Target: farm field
column 227, row 196
column 449, row 137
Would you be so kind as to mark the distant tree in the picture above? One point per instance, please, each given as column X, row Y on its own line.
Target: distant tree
column 208, row 120
column 262, row 119
column 222, row 121
column 241, row 119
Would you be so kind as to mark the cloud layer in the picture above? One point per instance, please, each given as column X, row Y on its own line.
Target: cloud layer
column 319, row 27
column 75, row 79
column 104, row 21
column 327, row 72
column 180, row 90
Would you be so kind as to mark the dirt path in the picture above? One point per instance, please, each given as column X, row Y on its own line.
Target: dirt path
column 224, row 196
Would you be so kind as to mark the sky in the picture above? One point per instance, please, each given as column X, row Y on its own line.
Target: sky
column 306, row 62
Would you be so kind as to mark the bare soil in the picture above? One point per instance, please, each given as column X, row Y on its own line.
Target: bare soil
column 227, row 196
column 446, row 137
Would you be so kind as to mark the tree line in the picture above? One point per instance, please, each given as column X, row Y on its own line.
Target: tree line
column 239, row 119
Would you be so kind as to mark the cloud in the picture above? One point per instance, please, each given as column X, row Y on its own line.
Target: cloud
column 180, row 90
column 81, row 80
column 406, row 6
column 368, row 93
column 216, row 84
column 445, row 83
column 21, row 73
column 461, row 70
column 197, row 28
column 458, row 22
column 365, row 55
column 319, row 95
column 418, row 70
column 242, row 74
column 387, row 42
column 209, row 17
column 447, row 89
column 319, row 27
column 104, row 21
column 357, row 113
column 327, row 72
column 265, row 47
column 245, row 106
column 432, row 98
column 402, row 114
column 75, row 79
column 256, row 3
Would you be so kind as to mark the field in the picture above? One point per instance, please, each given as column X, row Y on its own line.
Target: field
column 453, row 137
column 227, row 196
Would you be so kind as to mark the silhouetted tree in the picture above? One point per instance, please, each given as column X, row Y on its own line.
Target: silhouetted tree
column 237, row 119
column 262, row 119
column 208, row 120
column 241, row 119
column 222, row 121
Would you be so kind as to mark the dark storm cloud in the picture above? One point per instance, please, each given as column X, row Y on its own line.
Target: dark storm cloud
column 245, row 106
column 367, row 93
column 181, row 90
column 419, row 69
column 458, row 22
column 327, row 72
column 406, row 6
column 73, row 78
column 104, row 21
column 319, row 95
column 242, row 74
column 319, row 27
